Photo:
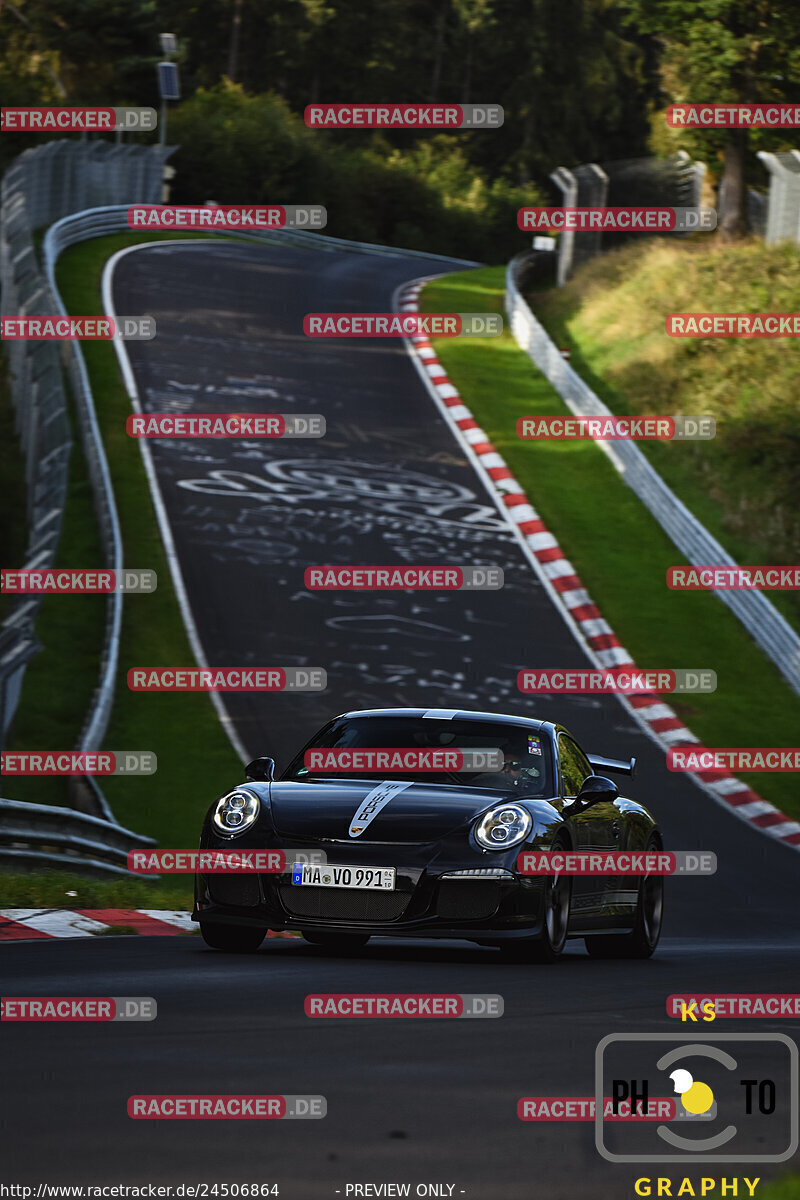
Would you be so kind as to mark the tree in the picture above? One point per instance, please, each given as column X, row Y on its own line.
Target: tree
column 474, row 19
column 574, row 83
column 725, row 51
column 101, row 51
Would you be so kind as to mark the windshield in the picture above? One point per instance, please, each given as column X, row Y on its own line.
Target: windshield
column 427, row 751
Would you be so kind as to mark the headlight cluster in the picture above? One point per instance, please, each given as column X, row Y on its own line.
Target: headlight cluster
column 503, row 827
column 236, row 812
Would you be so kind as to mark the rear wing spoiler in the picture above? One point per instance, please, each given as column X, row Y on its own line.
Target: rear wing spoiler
column 617, row 766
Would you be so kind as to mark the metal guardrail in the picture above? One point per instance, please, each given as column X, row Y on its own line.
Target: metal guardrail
column 42, row 185
column 322, row 241
column 112, row 218
column 33, row 836
column 105, row 508
column 768, row 628
column 41, row 422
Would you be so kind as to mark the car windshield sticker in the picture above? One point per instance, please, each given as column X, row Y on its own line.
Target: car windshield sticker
column 441, row 714
column 534, row 744
column 372, row 804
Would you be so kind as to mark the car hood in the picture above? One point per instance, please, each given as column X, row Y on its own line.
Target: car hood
column 419, row 812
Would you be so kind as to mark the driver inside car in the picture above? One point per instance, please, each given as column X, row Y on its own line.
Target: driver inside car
column 520, row 771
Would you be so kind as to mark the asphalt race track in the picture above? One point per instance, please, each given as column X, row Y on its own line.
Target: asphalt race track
column 429, row 1100
column 423, row 1101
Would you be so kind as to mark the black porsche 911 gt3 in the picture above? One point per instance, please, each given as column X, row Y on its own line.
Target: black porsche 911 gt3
column 434, row 854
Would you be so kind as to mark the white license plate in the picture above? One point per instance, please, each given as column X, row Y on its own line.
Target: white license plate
column 379, row 879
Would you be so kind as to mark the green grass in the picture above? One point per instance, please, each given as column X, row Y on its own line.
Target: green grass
column 785, row 1188
column 53, row 889
column 744, row 485
column 60, row 680
column 58, row 686
column 195, row 759
column 617, row 548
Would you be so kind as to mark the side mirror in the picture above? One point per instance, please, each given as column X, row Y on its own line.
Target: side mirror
column 596, row 789
column 261, row 770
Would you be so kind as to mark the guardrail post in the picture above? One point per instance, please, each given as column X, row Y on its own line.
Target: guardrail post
column 592, row 192
column 568, row 185
column 783, row 210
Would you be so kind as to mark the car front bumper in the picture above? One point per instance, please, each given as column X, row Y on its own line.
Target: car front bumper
column 425, row 903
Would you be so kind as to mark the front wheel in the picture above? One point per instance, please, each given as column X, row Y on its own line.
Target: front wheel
column 234, row 939
column 643, row 938
column 557, row 902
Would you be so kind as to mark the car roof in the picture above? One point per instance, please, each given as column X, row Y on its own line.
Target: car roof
column 446, row 714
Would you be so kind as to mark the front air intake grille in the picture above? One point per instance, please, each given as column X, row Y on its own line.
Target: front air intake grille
column 467, row 899
column 341, row 904
column 242, row 890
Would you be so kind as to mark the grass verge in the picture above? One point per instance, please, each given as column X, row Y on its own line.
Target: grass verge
column 617, row 547
column 785, row 1188
column 744, row 484
column 61, row 889
column 60, row 680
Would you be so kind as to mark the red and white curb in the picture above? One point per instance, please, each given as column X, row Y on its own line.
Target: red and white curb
column 569, row 595
column 28, row 924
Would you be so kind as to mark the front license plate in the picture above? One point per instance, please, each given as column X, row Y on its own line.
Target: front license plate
column 374, row 878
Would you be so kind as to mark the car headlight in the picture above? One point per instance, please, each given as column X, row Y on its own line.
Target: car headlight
column 504, row 826
column 236, row 812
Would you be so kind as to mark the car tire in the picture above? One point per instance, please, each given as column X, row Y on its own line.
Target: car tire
column 234, row 939
column 643, row 938
column 548, row 947
column 342, row 942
